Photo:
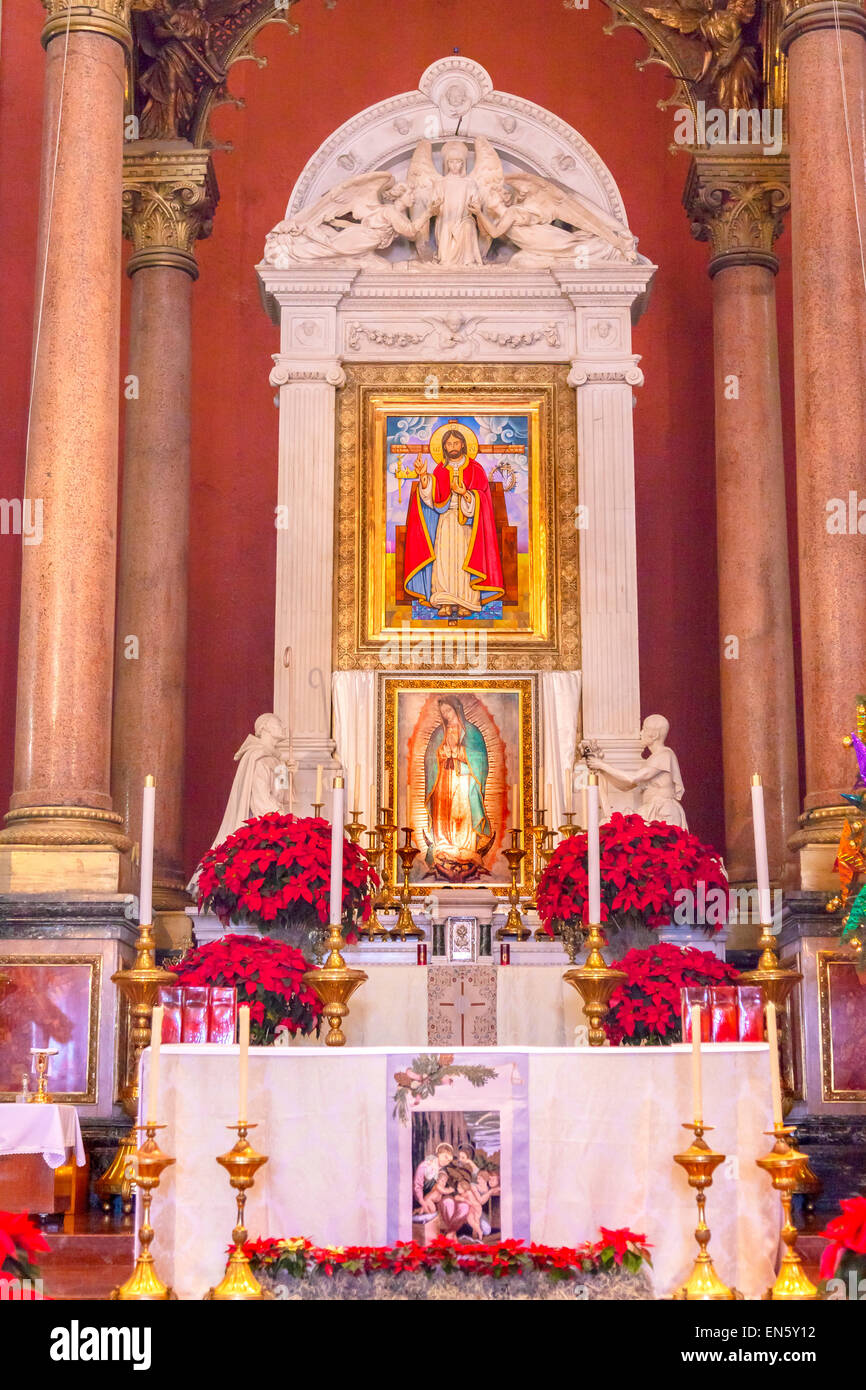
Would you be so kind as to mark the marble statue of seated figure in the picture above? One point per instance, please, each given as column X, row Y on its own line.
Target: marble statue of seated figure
column 659, row 780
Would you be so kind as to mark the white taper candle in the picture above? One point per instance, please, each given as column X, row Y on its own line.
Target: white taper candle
column 336, row 913
column 762, row 868
column 318, row 800
column 153, row 1068
column 145, row 882
column 357, row 798
column 593, row 850
column 697, row 1095
column 515, row 807
column 243, row 1074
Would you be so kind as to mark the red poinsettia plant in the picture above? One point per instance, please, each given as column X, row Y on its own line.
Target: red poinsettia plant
column 301, row 1259
column 267, row 975
column 845, row 1253
column 645, row 865
column 276, row 869
column 646, row 1007
column 20, row 1242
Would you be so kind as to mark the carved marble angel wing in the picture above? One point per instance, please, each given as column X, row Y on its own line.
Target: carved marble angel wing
column 357, row 197
column 550, row 203
column 423, row 182
column 490, row 180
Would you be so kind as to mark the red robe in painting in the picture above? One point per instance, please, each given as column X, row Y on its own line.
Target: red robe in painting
column 483, row 561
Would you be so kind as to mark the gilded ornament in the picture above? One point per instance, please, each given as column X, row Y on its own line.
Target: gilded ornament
column 169, row 200
column 736, row 201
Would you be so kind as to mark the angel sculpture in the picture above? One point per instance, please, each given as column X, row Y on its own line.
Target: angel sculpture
column 451, row 197
column 729, row 63
column 546, row 223
column 351, row 220
column 176, row 35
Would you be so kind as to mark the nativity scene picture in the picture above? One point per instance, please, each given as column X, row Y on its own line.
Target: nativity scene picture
column 433, row 683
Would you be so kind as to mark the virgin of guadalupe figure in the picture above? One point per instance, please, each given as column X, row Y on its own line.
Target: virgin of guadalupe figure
column 455, row 781
column 452, row 559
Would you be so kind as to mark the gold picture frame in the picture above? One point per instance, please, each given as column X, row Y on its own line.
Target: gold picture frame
column 522, row 691
column 831, row 1089
column 79, row 1000
column 544, row 634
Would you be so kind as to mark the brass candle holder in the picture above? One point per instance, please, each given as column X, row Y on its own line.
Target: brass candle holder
column 335, row 984
column 144, row 1284
column 405, row 926
column 355, row 827
column 317, row 809
column 140, row 984
column 514, row 925
column 40, row 1095
column 774, row 980
column 537, row 833
column 785, row 1165
column 241, row 1163
column 700, row 1162
column 387, row 829
column 569, row 828
column 547, row 850
column 595, row 981
column 373, row 927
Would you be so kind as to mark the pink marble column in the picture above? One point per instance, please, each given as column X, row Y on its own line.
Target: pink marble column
column 170, row 188
column 757, row 658
column 735, row 196
column 63, row 726
column 828, row 193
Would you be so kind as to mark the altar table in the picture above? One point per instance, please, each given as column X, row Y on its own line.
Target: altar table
column 35, row 1140
column 603, row 1126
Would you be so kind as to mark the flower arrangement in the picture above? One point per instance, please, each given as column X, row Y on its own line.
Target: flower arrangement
column 845, row 1253
column 267, row 975
column 276, row 870
column 447, row 1268
column 646, row 1008
column 644, row 864
column 20, row 1243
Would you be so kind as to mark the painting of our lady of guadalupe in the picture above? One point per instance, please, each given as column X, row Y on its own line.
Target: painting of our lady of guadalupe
column 457, row 758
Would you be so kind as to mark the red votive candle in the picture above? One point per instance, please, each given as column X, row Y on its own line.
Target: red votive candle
column 422, row 952
column 504, row 953
column 723, row 1005
column 750, row 1004
column 690, row 995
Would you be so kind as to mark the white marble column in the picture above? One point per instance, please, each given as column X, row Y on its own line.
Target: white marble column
column 305, row 564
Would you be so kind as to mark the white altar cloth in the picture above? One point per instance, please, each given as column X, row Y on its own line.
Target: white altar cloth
column 603, row 1126
column 51, row 1130
column 389, row 1008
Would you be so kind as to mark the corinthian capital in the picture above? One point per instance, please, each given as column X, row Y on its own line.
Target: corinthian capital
column 109, row 17
column 169, row 199
column 736, row 201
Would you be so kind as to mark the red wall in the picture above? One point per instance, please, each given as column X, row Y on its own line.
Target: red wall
column 343, row 60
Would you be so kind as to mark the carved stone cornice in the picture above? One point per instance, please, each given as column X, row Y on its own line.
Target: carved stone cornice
column 808, row 16
column 169, row 198
column 736, row 201
column 108, row 17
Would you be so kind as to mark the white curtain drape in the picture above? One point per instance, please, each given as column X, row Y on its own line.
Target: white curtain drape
column 560, row 711
column 354, row 694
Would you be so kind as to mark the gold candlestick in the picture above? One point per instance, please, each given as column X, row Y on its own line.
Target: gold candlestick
column 335, row 984
column 241, row 1163
column 40, row 1095
column 569, row 828
column 317, row 809
column 373, row 927
column 547, row 850
column 405, row 926
column 388, row 831
column 140, row 984
column 144, row 1284
column 514, row 925
column 595, row 981
column 775, row 981
column 355, row 827
column 699, row 1162
column 537, row 832
column 785, row 1165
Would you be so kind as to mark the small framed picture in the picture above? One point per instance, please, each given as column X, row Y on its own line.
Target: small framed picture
column 461, row 939
column 50, row 1001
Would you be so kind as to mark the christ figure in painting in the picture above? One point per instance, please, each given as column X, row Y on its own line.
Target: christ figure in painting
column 455, row 781
column 452, row 552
